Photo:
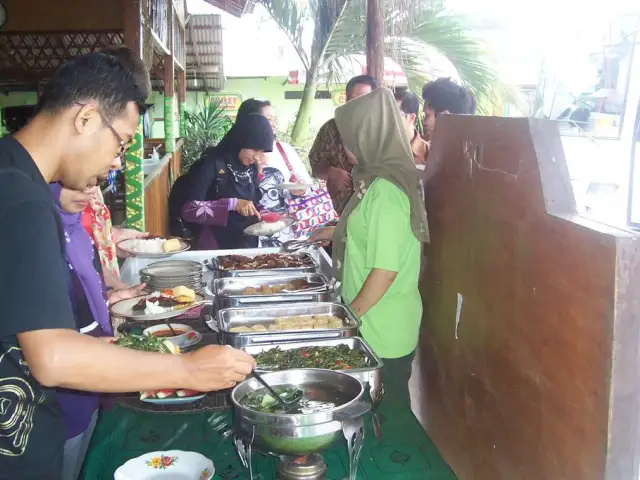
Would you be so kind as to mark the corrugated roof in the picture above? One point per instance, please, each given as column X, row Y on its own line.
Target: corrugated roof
column 204, row 52
column 234, row 7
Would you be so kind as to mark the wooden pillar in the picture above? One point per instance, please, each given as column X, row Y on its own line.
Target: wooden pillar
column 182, row 101
column 169, row 73
column 375, row 40
column 134, row 173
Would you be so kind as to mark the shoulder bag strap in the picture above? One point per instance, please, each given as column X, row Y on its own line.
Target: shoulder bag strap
column 286, row 159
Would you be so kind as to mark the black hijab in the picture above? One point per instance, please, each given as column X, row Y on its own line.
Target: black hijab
column 252, row 131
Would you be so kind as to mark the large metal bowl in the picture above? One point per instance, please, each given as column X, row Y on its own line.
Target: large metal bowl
column 297, row 434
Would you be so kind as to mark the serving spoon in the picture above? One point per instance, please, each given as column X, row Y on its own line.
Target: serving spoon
column 286, row 404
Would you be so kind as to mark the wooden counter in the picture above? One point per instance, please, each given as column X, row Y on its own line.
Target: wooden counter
column 157, row 185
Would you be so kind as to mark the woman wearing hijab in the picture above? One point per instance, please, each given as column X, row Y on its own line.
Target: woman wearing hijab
column 223, row 188
column 376, row 244
column 90, row 301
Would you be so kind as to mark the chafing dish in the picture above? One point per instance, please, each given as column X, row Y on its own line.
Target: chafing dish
column 224, row 272
column 298, row 434
column 237, row 317
column 369, row 375
column 229, row 291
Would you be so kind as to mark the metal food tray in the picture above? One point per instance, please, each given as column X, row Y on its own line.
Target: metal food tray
column 223, row 272
column 228, row 290
column 236, row 317
column 369, row 375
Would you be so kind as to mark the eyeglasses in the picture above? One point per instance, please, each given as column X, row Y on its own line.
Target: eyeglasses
column 123, row 145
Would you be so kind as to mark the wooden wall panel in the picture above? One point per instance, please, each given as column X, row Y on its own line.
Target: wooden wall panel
column 539, row 380
column 63, row 15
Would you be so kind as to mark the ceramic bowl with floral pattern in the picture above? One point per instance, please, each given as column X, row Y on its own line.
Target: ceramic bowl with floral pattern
column 171, row 464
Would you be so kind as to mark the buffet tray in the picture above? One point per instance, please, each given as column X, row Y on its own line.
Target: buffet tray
column 237, row 317
column 228, row 291
column 224, row 272
column 367, row 375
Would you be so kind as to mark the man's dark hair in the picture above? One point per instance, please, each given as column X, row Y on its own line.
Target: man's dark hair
column 251, row 105
column 361, row 80
column 132, row 62
column 409, row 102
column 443, row 94
column 94, row 77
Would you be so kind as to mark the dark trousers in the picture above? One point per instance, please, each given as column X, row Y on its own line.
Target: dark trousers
column 396, row 373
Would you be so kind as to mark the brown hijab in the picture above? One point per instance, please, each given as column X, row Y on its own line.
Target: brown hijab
column 371, row 128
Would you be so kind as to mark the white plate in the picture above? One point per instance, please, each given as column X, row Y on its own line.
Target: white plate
column 293, row 186
column 174, row 400
column 178, row 465
column 125, row 246
column 254, row 230
column 124, row 308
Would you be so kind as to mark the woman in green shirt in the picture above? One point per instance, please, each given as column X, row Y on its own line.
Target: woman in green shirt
column 376, row 245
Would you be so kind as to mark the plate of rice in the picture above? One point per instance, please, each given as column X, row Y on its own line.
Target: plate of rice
column 153, row 247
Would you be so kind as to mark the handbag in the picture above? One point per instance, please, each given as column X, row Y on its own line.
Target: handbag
column 311, row 210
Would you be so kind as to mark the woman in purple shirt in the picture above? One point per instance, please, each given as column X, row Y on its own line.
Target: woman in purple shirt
column 90, row 301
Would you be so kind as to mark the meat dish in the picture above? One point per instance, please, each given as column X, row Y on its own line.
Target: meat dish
column 165, row 300
column 263, row 262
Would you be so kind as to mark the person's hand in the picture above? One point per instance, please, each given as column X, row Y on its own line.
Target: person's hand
column 120, row 234
column 340, row 178
column 246, row 208
column 299, row 193
column 323, row 235
column 216, row 367
column 261, row 163
column 115, row 296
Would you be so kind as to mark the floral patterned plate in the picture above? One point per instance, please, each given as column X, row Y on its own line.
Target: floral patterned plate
column 172, row 464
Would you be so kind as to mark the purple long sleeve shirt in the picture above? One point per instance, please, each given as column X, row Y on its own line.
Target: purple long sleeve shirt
column 208, row 214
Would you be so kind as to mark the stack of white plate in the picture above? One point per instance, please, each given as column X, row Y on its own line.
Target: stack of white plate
column 171, row 274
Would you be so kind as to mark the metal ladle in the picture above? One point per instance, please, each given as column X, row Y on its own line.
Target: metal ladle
column 286, row 404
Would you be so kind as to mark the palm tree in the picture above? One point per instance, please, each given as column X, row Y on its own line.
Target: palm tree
column 416, row 33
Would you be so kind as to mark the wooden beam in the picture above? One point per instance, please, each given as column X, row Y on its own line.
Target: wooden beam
column 375, row 40
column 132, row 26
column 169, row 74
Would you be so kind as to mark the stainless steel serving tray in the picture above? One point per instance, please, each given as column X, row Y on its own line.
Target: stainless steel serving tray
column 236, row 317
column 228, row 291
column 369, row 375
column 223, row 272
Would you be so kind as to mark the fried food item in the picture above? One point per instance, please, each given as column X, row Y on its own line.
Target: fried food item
column 296, row 322
column 242, row 329
column 183, row 294
column 171, row 245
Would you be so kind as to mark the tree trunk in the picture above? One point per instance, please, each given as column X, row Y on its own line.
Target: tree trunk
column 375, row 40
column 301, row 125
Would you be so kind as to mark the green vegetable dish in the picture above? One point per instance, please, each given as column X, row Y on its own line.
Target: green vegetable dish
column 340, row 357
column 144, row 343
column 312, row 398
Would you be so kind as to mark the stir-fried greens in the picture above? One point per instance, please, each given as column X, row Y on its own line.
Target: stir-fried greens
column 262, row 401
column 340, row 357
column 144, row 343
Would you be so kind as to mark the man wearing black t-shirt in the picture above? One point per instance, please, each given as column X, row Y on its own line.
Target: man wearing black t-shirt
column 85, row 120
